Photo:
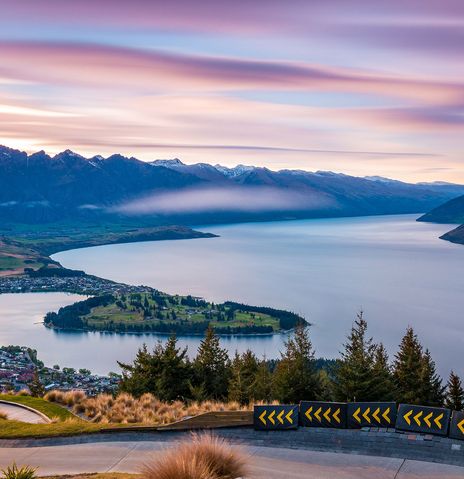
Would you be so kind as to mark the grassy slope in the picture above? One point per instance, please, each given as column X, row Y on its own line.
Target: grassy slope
column 70, row 427
column 101, row 475
column 50, row 410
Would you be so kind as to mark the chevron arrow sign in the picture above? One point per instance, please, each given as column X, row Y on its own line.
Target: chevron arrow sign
column 273, row 417
column 423, row 419
column 456, row 430
column 323, row 414
column 371, row 414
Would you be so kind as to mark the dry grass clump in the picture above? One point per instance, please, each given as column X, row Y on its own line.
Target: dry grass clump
column 3, row 415
column 203, row 457
column 125, row 409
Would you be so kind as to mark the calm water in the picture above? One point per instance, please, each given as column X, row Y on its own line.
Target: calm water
column 394, row 268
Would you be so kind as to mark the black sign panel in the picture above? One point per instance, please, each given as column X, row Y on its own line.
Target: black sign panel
column 371, row 414
column 429, row 420
column 271, row 417
column 322, row 414
column 456, row 430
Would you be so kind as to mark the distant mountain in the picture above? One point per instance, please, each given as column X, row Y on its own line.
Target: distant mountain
column 450, row 212
column 40, row 188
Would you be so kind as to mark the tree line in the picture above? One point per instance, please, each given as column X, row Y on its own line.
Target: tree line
column 363, row 372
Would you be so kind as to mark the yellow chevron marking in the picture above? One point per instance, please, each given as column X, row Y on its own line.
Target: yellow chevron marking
column 427, row 419
column 461, row 426
column 262, row 416
column 271, row 417
column 316, row 414
column 356, row 415
column 289, row 416
column 375, row 415
column 386, row 416
column 407, row 417
column 337, row 418
column 417, row 418
column 437, row 420
column 366, row 415
column 279, row 416
column 326, row 414
column 308, row 414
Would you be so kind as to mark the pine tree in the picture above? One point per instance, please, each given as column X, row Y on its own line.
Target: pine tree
column 295, row 377
column 354, row 374
column 165, row 373
column 261, row 389
column 454, row 393
column 243, row 374
column 407, row 371
column 212, row 366
column 383, row 384
column 36, row 387
column 432, row 390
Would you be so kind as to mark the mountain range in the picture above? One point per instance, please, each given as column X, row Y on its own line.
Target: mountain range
column 40, row 188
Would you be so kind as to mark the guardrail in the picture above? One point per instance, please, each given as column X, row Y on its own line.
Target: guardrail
column 356, row 415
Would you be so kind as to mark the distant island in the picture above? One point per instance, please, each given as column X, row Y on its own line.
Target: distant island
column 156, row 312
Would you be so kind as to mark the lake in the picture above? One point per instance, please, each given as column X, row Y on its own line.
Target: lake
column 395, row 269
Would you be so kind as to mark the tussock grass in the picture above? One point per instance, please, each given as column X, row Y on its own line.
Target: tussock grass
column 125, row 409
column 3, row 415
column 203, row 457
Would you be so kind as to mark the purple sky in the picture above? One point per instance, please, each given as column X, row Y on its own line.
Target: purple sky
column 358, row 86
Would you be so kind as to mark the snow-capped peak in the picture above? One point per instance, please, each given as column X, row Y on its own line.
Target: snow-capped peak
column 168, row 163
column 235, row 171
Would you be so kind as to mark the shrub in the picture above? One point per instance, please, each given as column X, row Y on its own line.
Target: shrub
column 15, row 472
column 204, row 457
column 124, row 408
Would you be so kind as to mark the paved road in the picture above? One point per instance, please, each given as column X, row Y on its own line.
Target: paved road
column 21, row 414
column 266, row 462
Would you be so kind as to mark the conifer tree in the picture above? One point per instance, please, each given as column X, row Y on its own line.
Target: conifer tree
column 454, row 393
column 407, row 371
column 432, row 391
column 295, row 377
column 36, row 387
column 261, row 389
column 243, row 374
column 354, row 373
column 383, row 384
column 165, row 373
column 212, row 366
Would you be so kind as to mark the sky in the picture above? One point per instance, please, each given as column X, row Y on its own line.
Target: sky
column 363, row 87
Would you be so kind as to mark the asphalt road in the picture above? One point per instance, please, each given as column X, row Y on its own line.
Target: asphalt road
column 21, row 414
column 266, row 462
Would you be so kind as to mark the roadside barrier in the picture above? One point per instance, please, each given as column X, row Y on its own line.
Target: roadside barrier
column 322, row 414
column 368, row 414
column 431, row 420
column 407, row 417
column 274, row 417
column 457, row 425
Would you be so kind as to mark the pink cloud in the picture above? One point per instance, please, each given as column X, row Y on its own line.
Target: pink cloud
column 99, row 66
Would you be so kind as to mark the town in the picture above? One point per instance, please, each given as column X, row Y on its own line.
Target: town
column 20, row 368
column 80, row 284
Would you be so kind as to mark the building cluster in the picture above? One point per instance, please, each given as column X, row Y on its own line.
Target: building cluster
column 18, row 365
column 87, row 285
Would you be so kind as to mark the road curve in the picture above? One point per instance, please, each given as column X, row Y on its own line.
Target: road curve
column 266, row 462
column 20, row 413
